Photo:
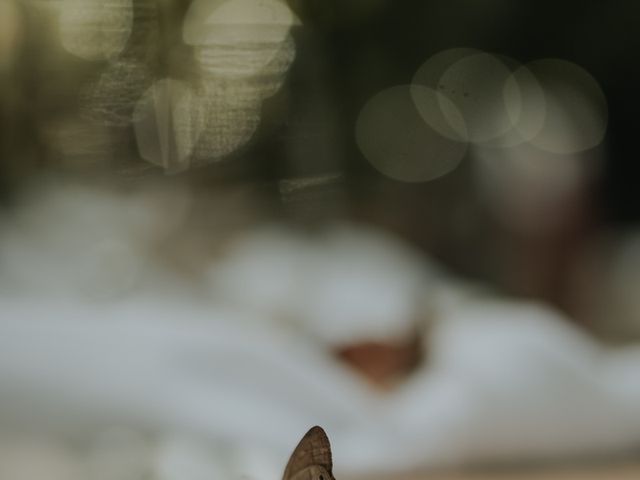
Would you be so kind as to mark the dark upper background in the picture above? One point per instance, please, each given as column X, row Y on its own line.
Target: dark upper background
column 363, row 46
column 347, row 51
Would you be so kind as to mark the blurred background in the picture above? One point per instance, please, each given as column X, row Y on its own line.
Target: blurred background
column 224, row 221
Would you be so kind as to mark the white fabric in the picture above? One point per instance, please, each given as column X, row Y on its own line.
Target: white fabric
column 227, row 391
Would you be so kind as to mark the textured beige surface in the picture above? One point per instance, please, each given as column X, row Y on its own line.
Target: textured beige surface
column 618, row 472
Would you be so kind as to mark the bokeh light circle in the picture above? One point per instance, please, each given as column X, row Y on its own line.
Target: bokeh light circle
column 95, row 30
column 223, row 21
column 430, row 72
column 576, row 107
column 478, row 107
column 526, row 107
column 475, row 85
column 429, row 75
column 393, row 136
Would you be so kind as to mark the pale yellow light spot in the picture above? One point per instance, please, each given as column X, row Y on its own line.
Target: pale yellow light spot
column 393, row 136
column 215, row 22
column 94, row 29
column 576, row 108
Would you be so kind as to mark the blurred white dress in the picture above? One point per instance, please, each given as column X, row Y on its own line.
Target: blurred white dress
column 223, row 378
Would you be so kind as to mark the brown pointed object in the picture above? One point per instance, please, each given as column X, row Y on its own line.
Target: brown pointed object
column 311, row 459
